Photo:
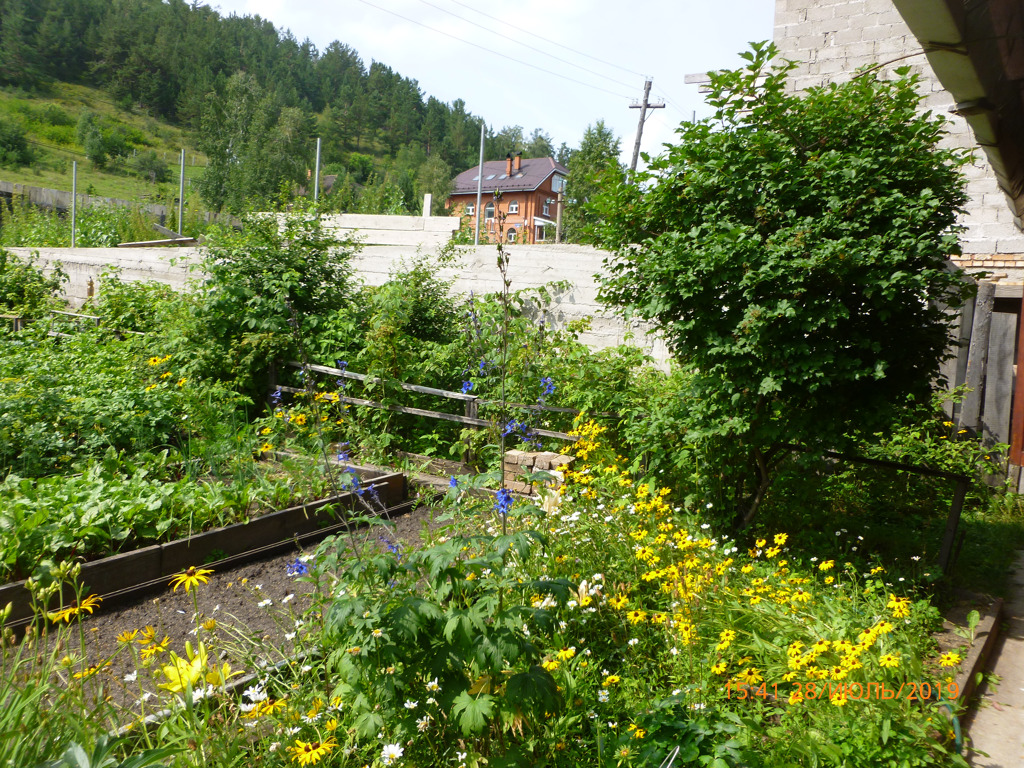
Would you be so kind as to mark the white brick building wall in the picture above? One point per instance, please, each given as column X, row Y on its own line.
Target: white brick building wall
column 833, row 38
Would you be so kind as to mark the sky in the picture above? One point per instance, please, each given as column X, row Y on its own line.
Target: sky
column 557, row 65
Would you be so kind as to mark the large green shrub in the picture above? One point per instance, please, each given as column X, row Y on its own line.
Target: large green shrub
column 793, row 251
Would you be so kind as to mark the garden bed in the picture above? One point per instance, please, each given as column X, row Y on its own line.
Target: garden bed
column 130, row 574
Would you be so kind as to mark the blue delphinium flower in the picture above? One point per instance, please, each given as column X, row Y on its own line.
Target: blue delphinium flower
column 392, row 547
column 548, row 384
column 467, row 387
column 344, row 455
column 297, row 568
column 503, row 501
column 453, row 483
column 275, row 396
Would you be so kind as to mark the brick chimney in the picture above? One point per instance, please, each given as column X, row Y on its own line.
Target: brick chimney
column 508, row 164
column 517, row 162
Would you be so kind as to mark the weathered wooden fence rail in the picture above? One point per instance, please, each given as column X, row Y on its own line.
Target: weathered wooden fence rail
column 471, row 403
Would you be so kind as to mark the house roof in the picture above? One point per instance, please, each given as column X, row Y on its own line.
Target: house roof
column 533, row 171
column 977, row 52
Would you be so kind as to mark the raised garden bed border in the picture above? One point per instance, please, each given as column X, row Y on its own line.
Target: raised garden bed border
column 128, row 575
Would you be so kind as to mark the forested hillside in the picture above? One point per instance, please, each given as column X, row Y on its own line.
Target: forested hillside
column 248, row 91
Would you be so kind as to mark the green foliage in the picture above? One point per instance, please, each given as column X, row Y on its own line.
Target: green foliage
column 104, row 755
column 592, row 167
column 98, row 226
column 457, row 629
column 14, row 149
column 777, row 246
column 267, row 286
column 149, row 166
column 25, row 290
column 254, row 145
column 140, row 306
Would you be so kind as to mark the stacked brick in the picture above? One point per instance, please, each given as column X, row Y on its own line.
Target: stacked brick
column 518, row 464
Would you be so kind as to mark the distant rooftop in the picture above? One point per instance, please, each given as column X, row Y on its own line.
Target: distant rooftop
column 533, row 171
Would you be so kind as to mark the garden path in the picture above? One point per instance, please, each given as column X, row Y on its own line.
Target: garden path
column 997, row 727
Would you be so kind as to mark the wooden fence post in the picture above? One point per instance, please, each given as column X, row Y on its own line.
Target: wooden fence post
column 977, row 357
column 952, row 523
column 472, row 411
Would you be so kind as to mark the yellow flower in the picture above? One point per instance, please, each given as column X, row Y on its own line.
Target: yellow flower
column 191, row 578
column 87, row 605
column 311, row 752
column 148, row 635
column 550, row 665
column 266, row 448
column 610, row 680
column 750, row 676
column 838, row 699
column 566, row 653
column 719, row 668
column 154, row 361
column 184, row 673
column 828, row 565
column 265, row 431
column 950, row 659
column 889, row 660
column 618, row 602
column 91, row 670
column 636, row 617
column 181, row 382
column 209, row 625
column 300, row 419
column 795, row 697
column 780, row 539
column 127, row 636
column 760, row 543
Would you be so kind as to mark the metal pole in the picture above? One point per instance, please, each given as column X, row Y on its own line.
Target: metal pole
column 316, row 173
column 181, row 196
column 74, row 199
column 479, row 187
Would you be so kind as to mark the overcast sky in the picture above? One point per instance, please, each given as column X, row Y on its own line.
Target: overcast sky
column 557, row 65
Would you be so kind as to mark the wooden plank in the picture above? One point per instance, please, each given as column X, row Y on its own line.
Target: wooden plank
column 165, row 231
column 1017, row 412
column 995, row 417
column 1009, row 290
column 977, row 358
column 468, row 420
column 363, row 377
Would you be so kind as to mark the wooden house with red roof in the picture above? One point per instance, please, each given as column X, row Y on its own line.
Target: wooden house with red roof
column 529, row 191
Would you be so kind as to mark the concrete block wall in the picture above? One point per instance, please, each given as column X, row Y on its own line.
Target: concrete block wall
column 474, row 270
column 831, row 39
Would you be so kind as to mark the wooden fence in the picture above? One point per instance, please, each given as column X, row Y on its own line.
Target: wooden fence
column 985, row 361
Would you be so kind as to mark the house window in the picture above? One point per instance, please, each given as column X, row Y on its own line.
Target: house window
column 511, row 235
column 470, row 209
column 489, row 211
column 540, row 233
column 547, row 207
column 513, row 206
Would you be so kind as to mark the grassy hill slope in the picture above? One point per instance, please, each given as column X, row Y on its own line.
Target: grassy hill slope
column 50, row 122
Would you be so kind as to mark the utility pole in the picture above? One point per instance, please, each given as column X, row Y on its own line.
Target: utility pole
column 643, row 107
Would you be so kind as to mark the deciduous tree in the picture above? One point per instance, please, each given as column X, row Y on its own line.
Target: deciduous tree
column 793, row 251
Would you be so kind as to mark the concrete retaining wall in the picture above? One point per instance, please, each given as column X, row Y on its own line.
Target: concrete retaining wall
column 474, row 269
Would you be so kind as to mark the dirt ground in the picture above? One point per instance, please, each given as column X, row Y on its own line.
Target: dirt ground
column 236, row 600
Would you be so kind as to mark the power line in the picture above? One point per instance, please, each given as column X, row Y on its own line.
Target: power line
column 554, row 42
column 495, row 53
column 520, row 42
